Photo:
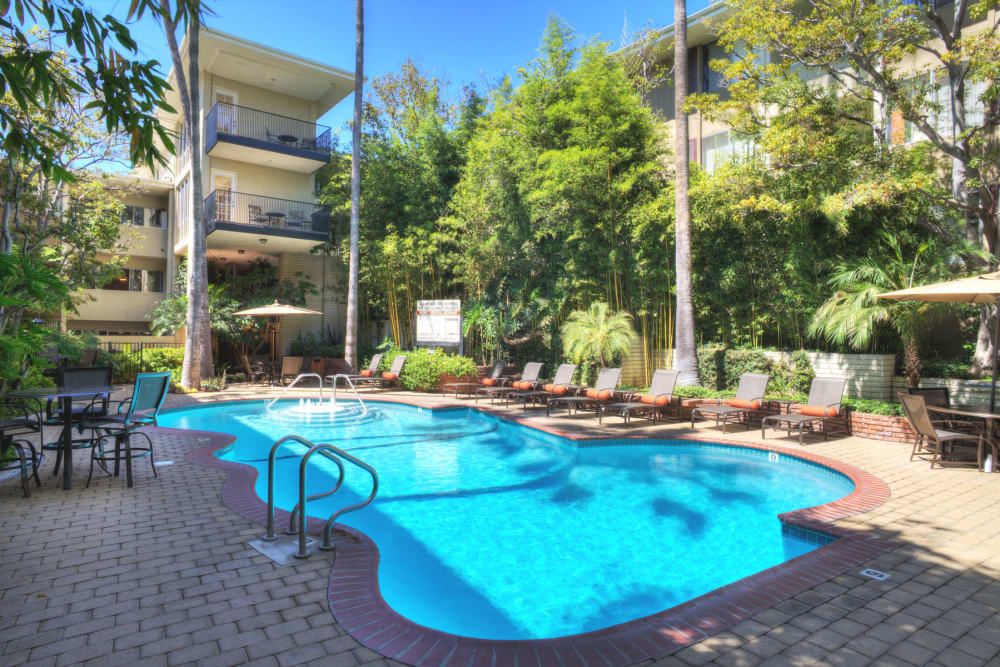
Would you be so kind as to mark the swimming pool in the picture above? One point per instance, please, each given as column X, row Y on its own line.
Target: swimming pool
column 490, row 529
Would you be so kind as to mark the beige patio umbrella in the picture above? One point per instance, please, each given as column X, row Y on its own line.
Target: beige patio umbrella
column 977, row 289
column 276, row 311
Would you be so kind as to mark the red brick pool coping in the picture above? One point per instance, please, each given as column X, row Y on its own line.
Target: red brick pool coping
column 358, row 606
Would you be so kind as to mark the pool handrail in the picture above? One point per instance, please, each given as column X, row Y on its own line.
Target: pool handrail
column 292, row 384
column 347, row 379
column 270, row 536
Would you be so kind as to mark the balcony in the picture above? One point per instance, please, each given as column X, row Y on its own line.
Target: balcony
column 236, row 219
column 263, row 138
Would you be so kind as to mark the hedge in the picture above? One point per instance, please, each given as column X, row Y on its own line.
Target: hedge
column 424, row 369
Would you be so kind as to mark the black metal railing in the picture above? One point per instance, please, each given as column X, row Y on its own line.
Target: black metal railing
column 269, row 131
column 128, row 359
column 266, row 214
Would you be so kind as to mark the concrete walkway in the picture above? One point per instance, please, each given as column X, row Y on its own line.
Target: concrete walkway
column 161, row 574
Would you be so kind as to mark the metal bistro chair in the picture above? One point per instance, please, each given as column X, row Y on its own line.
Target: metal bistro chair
column 940, row 397
column 18, row 457
column 932, row 440
column 95, row 406
column 140, row 411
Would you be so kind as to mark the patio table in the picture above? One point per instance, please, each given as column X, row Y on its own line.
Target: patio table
column 66, row 396
column 989, row 417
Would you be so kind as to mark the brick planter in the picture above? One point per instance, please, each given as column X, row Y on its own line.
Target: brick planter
column 448, row 378
column 862, row 424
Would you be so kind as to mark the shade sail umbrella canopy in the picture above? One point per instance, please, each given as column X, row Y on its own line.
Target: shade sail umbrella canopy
column 277, row 309
column 977, row 289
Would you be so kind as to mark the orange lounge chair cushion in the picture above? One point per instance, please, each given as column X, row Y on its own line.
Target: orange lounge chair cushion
column 555, row 388
column 521, row 384
column 744, row 403
column 389, row 375
column 489, row 382
column 602, row 395
column 367, row 373
column 819, row 410
column 653, row 400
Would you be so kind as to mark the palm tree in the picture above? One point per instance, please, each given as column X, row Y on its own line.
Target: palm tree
column 351, row 336
column 198, row 339
column 855, row 316
column 686, row 357
column 597, row 333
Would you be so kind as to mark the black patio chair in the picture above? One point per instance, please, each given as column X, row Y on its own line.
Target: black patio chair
column 18, row 457
column 133, row 414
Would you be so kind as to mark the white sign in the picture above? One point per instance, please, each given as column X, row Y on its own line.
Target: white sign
column 439, row 322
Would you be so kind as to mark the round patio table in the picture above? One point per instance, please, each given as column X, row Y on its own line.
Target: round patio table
column 66, row 396
column 989, row 417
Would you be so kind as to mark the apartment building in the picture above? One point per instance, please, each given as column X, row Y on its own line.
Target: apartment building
column 261, row 147
column 713, row 142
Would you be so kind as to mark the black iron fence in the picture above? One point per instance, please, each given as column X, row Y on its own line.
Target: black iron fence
column 128, row 359
column 265, row 214
column 269, row 131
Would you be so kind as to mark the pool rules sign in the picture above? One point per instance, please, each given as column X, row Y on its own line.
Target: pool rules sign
column 439, row 323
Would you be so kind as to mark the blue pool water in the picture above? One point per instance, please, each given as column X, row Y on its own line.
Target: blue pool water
column 490, row 529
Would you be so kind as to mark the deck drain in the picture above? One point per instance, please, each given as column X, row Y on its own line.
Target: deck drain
column 163, row 463
column 204, row 439
column 874, row 574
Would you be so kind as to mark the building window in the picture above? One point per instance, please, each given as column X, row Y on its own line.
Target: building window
column 120, row 283
column 135, row 215
column 154, row 281
column 156, row 216
column 137, row 280
column 183, row 205
column 661, row 98
column 723, row 147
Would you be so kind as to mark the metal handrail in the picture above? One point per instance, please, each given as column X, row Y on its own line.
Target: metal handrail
column 297, row 378
column 332, row 453
column 347, row 379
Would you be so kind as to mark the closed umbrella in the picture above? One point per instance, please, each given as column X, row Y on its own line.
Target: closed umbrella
column 275, row 310
column 977, row 289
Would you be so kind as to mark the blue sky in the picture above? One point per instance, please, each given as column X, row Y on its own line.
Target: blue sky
column 471, row 41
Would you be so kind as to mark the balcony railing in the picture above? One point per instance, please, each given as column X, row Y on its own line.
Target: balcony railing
column 269, row 131
column 266, row 215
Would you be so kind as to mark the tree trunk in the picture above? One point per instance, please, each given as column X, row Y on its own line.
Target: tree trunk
column 197, row 351
column 351, row 335
column 911, row 362
column 686, row 358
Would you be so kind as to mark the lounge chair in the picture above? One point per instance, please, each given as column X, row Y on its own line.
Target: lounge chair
column 825, row 402
column 492, row 379
column 391, row 376
column 749, row 396
column 597, row 396
column 291, row 367
column 527, row 382
column 367, row 375
column 932, row 440
column 661, row 391
column 561, row 384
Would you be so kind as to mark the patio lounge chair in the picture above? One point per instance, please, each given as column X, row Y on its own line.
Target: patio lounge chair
column 391, row 376
column 560, row 385
column 826, row 398
column 492, row 379
column 932, row 440
column 597, row 396
column 661, row 391
column 135, row 413
column 292, row 367
column 367, row 375
column 749, row 396
column 527, row 382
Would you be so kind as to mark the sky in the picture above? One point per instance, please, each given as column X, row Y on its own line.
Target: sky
column 462, row 42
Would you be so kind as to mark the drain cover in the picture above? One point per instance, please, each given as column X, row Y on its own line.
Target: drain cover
column 163, row 463
column 204, row 439
column 874, row 574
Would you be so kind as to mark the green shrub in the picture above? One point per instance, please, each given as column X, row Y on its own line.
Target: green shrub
column 424, row 369
column 721, row 369
column 874, row 407
column 307, row 345
column 160, row 359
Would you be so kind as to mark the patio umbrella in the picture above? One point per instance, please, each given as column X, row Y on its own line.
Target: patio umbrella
column 275, row 310
column 977, row 289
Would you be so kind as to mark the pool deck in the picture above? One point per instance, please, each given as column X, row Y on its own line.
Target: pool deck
column 161, row 573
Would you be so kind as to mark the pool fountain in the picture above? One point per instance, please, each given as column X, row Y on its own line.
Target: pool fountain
column 322, row 411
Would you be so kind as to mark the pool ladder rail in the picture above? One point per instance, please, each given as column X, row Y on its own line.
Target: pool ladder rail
column 297, row 520
column 302, row 376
